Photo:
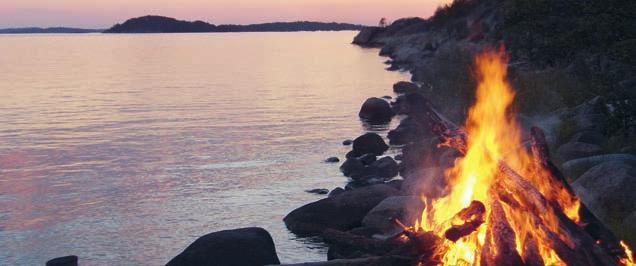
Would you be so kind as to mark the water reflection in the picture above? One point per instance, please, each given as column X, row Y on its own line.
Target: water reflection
column 123, row 149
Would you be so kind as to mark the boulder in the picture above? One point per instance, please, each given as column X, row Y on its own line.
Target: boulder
column 574, row 168
column 369, row 143
column 367, row 158
column 245, row 246
column 589, row 136
column 385, row 167
column 367, row 261
column 63, row 261
column 352, row 167
column 608, row 190
column 406, row 208
column 376, row 110
column 406, row 132
column 405, row 87
column 319, row 191
column 425, row 181
column 342, row 212
column 332, row 160
column 336, row 191
column 574, row 150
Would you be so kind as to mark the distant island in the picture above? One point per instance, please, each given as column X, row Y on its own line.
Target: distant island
column 47, row 30
column 160, row 24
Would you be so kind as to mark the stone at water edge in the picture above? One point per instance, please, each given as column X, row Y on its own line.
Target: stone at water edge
column 332, row 160
column 367, row 159
column 352, row 167
column 406, row 208
column 369, row 143
column 319, row 191
column 63, row 261
column 239, row 247
column 385, row 167
column 405, row 87
column 343, row 211
column 335, row 191
column 376, row 110
column 347, row 142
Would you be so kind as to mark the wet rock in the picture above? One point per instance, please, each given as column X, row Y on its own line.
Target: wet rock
column 367, row 158
column 406, row 208
column 369, row 143
column 347, row 142
column 387, row 97
column 385, row 167
column 376, row 110
column 343, row 212
column 63, row 261
column 406, row 132
column 405, row 87
column 352, row 167
column 608, row 190
column 574, row 150
column 319, row 191
column 332, row 160
column 398, row 157
column 245, row 246
column 363, row 181
column 336, row 191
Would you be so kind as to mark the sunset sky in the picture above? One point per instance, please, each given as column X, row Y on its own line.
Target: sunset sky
column 104, row 13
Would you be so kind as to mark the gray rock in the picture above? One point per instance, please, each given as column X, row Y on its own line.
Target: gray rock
column 385, row 167
column 343, row 212
column 319, row 191
column 352, row 167
column 332, row 160
column 336, row 191
column 425, row 181
column 368, row 261
column 63, row 261
column 406, row 208
column 369, row 143
column 376, row 110
column 347, row 142
column 608, row 190
column 574, row 168
column 574, row 150
column 405, row 87
column 367, row 158
column 398, row 157
column 245, row 246
column 589, row 136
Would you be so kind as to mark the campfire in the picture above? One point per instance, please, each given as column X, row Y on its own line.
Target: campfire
column 504, row 204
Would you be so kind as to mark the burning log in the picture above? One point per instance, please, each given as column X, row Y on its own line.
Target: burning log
column 591, row 224
column 500, row 246
column 531, row 255
column 472, row 216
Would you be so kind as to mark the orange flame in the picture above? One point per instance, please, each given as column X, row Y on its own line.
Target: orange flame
column 493, row 136
column 629, row 259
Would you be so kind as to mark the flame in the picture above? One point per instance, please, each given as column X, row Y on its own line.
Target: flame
column 629, row 258
column 494, row 136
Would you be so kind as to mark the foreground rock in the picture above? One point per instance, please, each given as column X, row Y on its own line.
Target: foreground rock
column 370, row 261
column 405, row 87
column 369, row 143
column 405, row 208
column 63, row 261
column 376, row 110
column 343, row 211
column 608, row 191
column 245, row 246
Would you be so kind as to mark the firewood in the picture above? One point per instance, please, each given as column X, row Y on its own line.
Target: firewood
column 531, row 255
column 591, row 224
column 501, row 248
column 472, row 216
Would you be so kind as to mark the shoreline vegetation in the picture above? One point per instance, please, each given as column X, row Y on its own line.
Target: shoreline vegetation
column 574, row 81
column 161, row 24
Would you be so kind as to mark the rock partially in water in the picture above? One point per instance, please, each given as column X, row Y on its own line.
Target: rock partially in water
column 369, row 143
column 376, row 110
column 343, row 212
column 347, row 142
column 367, row 158
column 385, row 167
column 352, row 167
column 63, row 261
column 332, row 160
column 405, row 87
column 608, row 190
column 387, row 97
column 238, row 247
column 319, row 191
column 335, row 191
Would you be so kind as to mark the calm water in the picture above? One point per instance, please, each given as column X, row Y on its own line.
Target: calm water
column 123, row 149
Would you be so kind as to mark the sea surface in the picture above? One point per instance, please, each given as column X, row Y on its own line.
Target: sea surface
column 123, row 149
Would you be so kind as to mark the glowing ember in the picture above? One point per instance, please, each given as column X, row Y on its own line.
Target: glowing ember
column 527, row 228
